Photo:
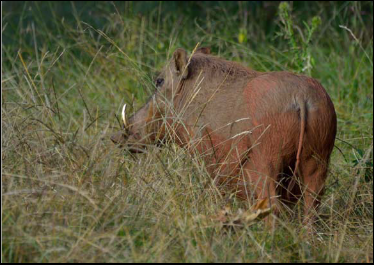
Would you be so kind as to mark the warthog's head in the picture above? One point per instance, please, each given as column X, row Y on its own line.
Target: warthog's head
column 147, row 126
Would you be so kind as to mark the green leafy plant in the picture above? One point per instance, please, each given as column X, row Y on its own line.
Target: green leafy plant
column 299, row 40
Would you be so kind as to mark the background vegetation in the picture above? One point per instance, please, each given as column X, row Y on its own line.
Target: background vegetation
column 68, row 195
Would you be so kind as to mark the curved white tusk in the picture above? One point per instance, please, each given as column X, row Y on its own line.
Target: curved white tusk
column 124, row 115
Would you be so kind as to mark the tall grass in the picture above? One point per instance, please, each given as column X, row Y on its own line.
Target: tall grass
column 69, row 195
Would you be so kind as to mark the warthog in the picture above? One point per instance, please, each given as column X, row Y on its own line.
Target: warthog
column 265, row 135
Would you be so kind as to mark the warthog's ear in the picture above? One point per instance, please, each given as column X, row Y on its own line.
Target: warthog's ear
column 180, row 60
column 205, row 50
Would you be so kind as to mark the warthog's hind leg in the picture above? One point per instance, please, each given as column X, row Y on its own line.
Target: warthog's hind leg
column 260, row 176
column 313, row 172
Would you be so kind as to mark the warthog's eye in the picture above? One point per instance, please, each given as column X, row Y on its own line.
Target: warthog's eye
column 159, row 82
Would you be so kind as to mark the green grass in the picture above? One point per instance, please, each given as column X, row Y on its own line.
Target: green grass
column 68, row 195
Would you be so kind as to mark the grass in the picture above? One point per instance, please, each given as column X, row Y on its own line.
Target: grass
column 68, row 195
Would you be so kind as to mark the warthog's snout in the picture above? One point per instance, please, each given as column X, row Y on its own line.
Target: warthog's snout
column 130, row 142
column 118, row 138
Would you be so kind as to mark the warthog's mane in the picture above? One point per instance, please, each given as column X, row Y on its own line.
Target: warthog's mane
column 215, row 66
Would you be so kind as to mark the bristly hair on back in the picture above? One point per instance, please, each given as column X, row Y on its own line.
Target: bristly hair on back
column 218, row 66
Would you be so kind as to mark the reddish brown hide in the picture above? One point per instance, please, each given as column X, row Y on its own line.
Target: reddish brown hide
column 264, row 135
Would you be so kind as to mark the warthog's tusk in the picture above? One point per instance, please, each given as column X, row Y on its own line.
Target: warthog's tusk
column 124, row 115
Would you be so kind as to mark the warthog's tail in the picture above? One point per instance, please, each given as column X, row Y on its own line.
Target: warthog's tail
column 302, row 113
